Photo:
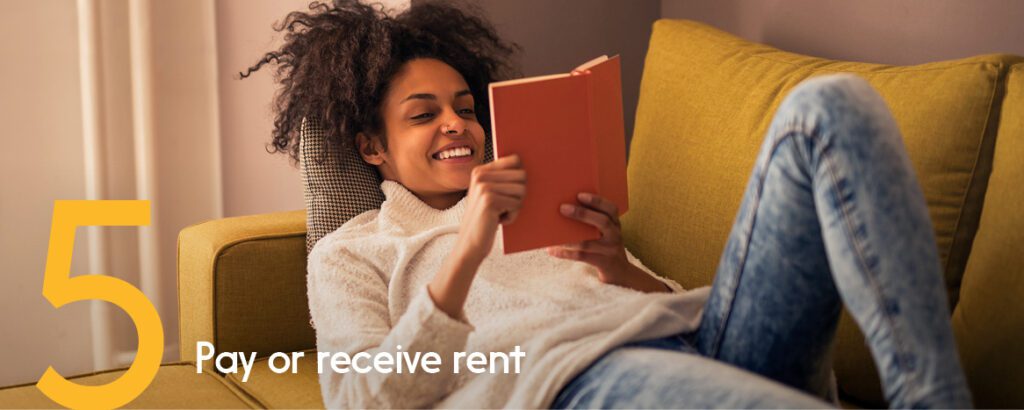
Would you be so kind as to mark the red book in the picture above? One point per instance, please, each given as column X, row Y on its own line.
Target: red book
column 567, row 129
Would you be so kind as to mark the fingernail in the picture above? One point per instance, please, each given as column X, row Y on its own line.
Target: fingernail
column 585, row 197
column 566, row 209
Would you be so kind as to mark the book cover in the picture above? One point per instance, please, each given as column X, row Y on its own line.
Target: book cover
column 568, row 131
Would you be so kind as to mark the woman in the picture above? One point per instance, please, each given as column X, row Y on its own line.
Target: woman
column 832, row 214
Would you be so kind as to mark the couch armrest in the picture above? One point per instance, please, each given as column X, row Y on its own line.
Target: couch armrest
column 242, row 285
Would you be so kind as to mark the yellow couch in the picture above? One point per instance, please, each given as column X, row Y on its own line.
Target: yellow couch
column 706, row 99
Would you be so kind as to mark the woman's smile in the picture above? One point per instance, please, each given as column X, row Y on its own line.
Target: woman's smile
column 455, row 153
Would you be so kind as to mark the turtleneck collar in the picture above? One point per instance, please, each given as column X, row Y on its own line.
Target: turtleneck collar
column 404, row 208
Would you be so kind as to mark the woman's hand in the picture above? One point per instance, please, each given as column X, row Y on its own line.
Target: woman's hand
column 607, row 253
column 495, row 194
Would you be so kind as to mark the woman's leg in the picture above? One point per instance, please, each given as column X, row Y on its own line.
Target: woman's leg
column 637, row 376
column 832, row 214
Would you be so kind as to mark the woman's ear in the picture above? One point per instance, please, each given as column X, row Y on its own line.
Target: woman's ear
column 370, row 149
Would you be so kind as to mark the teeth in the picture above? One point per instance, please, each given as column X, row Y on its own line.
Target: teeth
column 455, row 153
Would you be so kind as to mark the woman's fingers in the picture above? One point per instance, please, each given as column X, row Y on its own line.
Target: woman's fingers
column 506, row 206
column 511, row 161
column 504, row 170
column 508, row 217
column 513, row 189
column 506, row 163
column 606, row 253
column 609, row 227
column 601, row 204
column 503, row 175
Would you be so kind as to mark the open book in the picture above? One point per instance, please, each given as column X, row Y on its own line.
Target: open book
column 567, row 129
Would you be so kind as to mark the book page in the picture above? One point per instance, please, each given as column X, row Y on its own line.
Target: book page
column 591, row 63
column 581, row 67
column 528, row 80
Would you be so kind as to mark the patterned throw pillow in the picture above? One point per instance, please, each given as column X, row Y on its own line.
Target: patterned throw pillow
column 336, row 185
column 341, row 185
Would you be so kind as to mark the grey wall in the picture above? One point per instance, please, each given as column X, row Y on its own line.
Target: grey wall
column 243, row 34
column 558, row 35
column 882, row 31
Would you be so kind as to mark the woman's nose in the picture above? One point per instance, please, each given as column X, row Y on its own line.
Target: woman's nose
column 453, row 124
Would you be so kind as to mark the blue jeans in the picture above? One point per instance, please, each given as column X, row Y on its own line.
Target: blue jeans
column 832, row 215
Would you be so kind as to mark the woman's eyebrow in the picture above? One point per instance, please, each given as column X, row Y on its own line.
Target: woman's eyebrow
column 427, row 96
column 420, row 96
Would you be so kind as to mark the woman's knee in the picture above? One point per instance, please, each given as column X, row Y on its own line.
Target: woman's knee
column 833, row 91
column 839, row 102
column 840, row 113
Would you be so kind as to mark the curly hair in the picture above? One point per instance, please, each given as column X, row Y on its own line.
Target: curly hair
column 337, row 61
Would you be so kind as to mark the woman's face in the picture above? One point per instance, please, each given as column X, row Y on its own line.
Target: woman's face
column 433, row 137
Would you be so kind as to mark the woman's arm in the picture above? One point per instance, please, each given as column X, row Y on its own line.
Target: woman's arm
column 450, row 286
column 496, row 192
column 348, row 300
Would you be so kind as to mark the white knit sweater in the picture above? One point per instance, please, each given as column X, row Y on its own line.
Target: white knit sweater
column 367, row 292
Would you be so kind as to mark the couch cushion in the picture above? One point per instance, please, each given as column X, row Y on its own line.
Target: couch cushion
column 989, row 320
column 286, row 390
column 242, row 285
column 706, row 100
column 177, row 385
column 337, row 184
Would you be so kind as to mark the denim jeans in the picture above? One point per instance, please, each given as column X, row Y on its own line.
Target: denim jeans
column 832, row 215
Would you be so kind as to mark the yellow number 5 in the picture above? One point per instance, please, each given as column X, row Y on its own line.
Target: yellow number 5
column 60, row 289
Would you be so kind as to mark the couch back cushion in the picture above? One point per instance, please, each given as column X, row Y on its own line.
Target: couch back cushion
column 706, row 100
column 989, row 320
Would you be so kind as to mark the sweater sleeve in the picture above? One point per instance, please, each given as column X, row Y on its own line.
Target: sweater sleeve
column 348, row 300
column 675, row 286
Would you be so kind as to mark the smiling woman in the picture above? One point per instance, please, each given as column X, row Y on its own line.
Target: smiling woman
column 326, row 75
column 409, row 94
column 438, row 140
column 423, row 274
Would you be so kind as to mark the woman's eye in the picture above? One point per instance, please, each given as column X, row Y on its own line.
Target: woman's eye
column 423, row 116
column 466, row 111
